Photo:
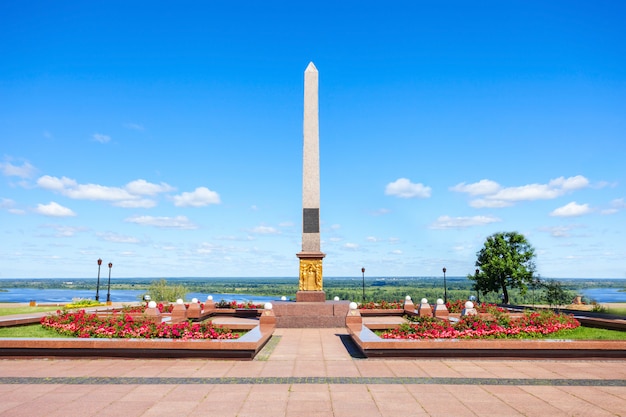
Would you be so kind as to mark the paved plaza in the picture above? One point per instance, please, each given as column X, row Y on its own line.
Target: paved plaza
column 311, row 372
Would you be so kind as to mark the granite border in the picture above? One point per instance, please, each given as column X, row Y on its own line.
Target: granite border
column 372, row 346
column 245, row 348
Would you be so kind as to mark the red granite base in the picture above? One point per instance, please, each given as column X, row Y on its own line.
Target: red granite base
column 311, row 314
column 310, row 296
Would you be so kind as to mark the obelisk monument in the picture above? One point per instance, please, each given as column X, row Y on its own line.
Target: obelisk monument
column 311, row 286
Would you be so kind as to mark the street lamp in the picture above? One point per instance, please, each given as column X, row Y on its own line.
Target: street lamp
column 98, row 283
column 363, row 272
column 477, row 293
column 445, row 287
column 109, row 287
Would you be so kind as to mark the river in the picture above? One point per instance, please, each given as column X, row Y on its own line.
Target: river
column 605, row 295
column 24, row 295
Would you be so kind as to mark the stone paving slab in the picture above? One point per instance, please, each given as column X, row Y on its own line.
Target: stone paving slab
column 311, row 372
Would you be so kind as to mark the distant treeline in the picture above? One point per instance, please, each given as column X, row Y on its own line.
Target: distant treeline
column 376, row 289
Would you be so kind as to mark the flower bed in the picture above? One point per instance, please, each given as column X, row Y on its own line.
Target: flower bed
column 124, row 325
column 458, row 306
column 498, row 325
column 167, row 307
column 452, row 306
column 382, row 305
column 239, row 306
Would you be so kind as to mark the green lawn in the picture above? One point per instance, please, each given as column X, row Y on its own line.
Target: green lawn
column 30, row 330
column 7, row 311
column 588, row 333
column 617, row 311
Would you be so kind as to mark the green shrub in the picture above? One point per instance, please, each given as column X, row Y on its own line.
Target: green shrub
column 598, row 308
column 82, row 303
column 162, row 291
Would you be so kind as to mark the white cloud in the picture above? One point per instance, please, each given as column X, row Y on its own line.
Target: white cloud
column 616, row 205
column 54, row 183
column 200, row 197
column 447, row 222
column 264, row 230
column 10, row 206
column 117, row 238
column 66, row 231
column 26, row 170
column 404, row 188
column 572, row 209
column 7, row 203
column 97, row 192
column 70, row 188
column 478, row 188
column 206, row 248
column 178, row 222
column 482, row 203
column 98, row 137
column 53, row 209
column 494, row 196
column 143, row 203
column 371, row 239
column 143, row 187
column 128, row 197
column 558, row 231
column 351, row 246
column 527, row 193
column 572, row 183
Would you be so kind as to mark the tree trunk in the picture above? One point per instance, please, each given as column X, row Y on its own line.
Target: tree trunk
column 505, row 293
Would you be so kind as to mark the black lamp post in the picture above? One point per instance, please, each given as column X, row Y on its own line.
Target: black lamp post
column 109, row 286
column 98, row 283
column 363, row 272
column 445, row 287
column 477, row 293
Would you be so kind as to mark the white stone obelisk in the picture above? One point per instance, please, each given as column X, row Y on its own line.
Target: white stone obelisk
column 311, row 288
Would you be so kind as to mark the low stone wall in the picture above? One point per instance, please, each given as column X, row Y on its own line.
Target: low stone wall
column 373, row 346
column 246, row 347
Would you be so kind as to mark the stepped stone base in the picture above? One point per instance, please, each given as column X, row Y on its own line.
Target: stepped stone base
column 311, row 314
column 310, row 296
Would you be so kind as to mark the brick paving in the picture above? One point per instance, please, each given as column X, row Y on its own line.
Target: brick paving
column 311, row 372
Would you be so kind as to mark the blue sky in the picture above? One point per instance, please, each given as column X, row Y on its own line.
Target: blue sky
column 167, row 137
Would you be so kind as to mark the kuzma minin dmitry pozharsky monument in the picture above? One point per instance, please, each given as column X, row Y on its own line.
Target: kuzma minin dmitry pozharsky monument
column 311, row 308
column 311, row 286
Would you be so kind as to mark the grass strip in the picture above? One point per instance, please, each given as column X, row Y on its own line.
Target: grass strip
column 27, row 310
column 29, row 330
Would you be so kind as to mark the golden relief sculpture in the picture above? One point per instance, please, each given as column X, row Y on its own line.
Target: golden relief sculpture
column 310, row 275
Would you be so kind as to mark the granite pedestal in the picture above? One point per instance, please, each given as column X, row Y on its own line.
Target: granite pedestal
column 303, row 314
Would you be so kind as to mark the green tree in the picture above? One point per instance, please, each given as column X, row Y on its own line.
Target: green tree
column 505, row 261
column 162, row 291
column 555, row 294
